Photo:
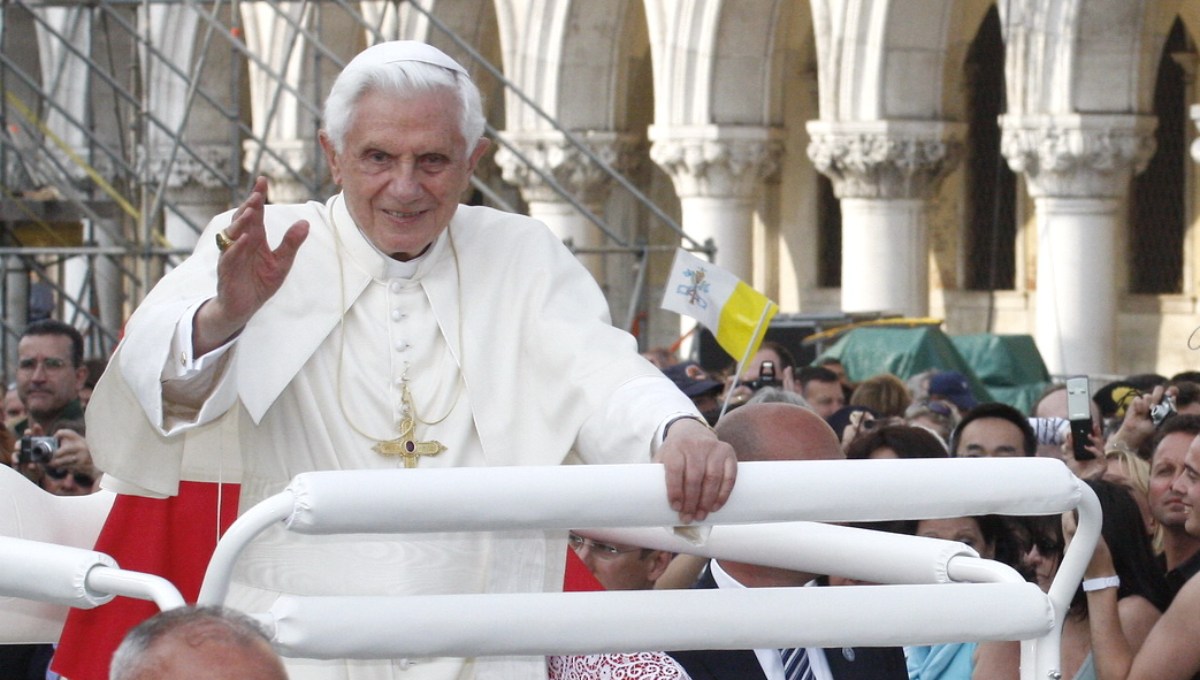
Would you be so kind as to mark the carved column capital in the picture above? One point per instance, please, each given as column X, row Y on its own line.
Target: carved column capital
column 716, row 161
column 885, row 159
column 191, row 168
column 552, row 154
column 1078, row 156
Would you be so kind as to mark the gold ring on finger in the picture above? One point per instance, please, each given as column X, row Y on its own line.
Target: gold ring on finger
column 223, row 241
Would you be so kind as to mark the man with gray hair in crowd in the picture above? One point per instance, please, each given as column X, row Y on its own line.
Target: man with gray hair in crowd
column 197, row 643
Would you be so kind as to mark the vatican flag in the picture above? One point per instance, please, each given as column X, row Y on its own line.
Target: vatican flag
column 736, row 314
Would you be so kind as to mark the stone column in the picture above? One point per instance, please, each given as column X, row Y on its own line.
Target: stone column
column 65, row 81
column 550, row 153
column 884, row 172
column 284, row 102
column 718, row 172
column 1078, row 169
column 187, row 150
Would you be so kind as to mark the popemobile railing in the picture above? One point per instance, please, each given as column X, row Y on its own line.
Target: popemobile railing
column 930, row 590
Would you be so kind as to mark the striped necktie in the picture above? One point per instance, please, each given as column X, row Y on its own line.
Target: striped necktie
column 795, row 664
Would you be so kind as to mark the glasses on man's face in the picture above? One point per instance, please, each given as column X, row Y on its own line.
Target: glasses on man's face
column 49, row 363
column 602, row 550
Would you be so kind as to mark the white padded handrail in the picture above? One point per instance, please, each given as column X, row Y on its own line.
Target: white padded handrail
column 562, row 497
column 470, row 499
column 135, row 584
column 57, row 574
column 74, row 577
column 582, row 623
column 823, row 549
column 386, row 501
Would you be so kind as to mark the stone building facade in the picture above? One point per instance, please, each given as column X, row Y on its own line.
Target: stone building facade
column 1011, row 167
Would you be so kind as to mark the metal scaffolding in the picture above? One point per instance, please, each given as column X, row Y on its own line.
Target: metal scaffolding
column 129, row 123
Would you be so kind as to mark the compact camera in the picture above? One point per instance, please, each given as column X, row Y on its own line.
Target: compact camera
column 766, row 377
column 37, row 449
column 1162, row 410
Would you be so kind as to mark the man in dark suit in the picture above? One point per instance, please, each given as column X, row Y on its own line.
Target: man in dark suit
column 778, row 431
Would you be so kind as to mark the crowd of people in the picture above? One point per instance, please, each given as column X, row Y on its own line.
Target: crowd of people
column 1129, row 618
column 367, row 332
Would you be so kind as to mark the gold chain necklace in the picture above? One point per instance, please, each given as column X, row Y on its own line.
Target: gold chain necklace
column 406, row 445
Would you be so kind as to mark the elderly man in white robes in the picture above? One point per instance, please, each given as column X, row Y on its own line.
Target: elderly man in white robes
column 390, row 319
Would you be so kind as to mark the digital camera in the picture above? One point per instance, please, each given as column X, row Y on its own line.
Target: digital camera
column 37, row 449
column 1162, row 410
column 766, row 377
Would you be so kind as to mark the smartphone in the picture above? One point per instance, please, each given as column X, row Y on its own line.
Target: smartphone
column 1079, row 413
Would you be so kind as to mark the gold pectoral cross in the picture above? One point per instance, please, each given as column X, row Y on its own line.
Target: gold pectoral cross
column 407, row 447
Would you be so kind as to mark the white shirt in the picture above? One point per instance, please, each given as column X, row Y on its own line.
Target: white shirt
column 769, row 659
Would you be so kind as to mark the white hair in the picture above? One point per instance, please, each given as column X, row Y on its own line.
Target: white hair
column 403, row 78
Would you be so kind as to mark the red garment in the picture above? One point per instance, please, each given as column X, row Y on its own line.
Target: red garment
column 578, row 578
column 173, row 538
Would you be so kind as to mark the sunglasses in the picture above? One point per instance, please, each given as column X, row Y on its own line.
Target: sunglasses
column 61, row 473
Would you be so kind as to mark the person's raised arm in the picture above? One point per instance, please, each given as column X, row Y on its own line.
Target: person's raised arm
column 1137, row 425
column 249, row 272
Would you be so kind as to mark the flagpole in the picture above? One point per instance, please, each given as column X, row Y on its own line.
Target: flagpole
column 737, row 376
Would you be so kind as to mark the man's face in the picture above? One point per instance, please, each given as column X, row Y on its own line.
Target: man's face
column 990, row 438
column 1188, row 485
column 620, row 567
column 402, row 168
column 824, row 397
column 1166, row 503
column 67, row 483
column 46, row 380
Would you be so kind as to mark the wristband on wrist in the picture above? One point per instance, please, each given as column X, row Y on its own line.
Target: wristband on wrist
column 1094, row 584
column 667, row 427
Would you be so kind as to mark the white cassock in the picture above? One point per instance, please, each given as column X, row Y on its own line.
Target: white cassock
column 504, row 343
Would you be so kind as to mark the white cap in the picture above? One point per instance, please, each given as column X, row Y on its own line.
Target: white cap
column 403, row 50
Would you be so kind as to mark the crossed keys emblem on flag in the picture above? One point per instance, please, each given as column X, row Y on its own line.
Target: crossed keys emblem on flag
column 697, row 286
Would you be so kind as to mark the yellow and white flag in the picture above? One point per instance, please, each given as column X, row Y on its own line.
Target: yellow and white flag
column 736, row 314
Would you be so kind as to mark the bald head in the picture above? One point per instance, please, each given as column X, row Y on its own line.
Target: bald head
column 775, row 432
column 778, row 431
column 197, row 643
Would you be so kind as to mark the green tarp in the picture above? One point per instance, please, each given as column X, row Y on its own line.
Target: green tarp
column 1010, row 366
column 1005, row 368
